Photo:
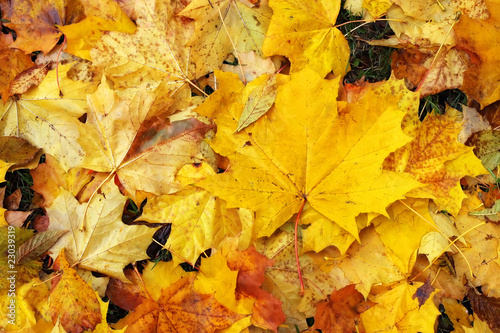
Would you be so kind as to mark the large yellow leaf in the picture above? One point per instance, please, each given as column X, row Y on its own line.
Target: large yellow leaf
column 105, row 244
column 211, row 43
column 304, row 32
column 436, row 158
column 309, row 147
column 47, row 120
column 137, row 142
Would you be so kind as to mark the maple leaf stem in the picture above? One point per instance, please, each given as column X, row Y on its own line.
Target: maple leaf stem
column 136, row 271
column 301, row 293
column 57, row 66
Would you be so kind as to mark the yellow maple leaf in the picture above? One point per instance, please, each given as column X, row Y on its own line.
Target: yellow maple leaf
column 309, row 147
column 322, row 232
column 304, row 32
column 105, row 244
column 47, row 120
column 223, row 27
column 140, row 146
column 379, row 265
column 401, row 233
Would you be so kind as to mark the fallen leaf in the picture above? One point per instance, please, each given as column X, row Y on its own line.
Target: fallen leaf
column 480, row 38
column 274, row 180
column 282, row 281
column 380, row 265
column 486, row 308
column 181, row 309
column 423, row 292
column 437, row 159
column 260, row 100
column 49, row 178
column 341, row 312
column 37, row 245
column 28, row 78
column 223, row 27
column 485, row 145
column 251, row 266
column 402, row 232
column 304, row 32
column 18, row 152
column 35, row 22
column 105, row 244
column 414, row 65
column 72, row 301
column 46, row 120
column 199, row 220
column 129, row 60
column 143, row 149
column 397, row 311
column 13, row 63
column 101, row 15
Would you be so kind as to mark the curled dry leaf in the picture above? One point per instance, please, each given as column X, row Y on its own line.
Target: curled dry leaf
column 486, row 308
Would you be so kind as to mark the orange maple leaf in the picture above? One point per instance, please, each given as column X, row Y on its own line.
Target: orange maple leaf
column 341, row 312
column 181, row 309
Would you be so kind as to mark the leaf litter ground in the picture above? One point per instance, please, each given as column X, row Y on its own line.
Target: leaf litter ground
column 338, row 271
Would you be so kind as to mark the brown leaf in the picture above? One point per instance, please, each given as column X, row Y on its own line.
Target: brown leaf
column 424, row 292
column 28, row 78
column 486, row 308
column 341, row 312
column 41, row 223
column 12, row 201
column 16, row 218
column 13, row 62
column 127, row 296
column 35, row 21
